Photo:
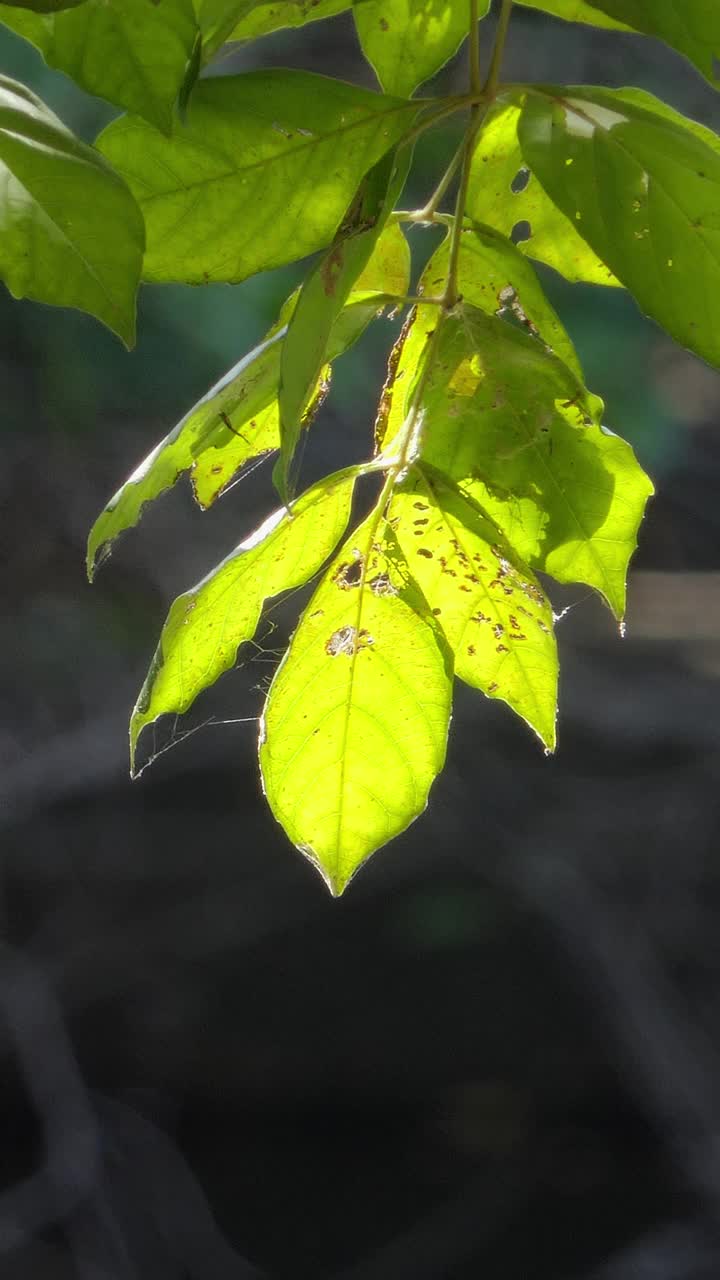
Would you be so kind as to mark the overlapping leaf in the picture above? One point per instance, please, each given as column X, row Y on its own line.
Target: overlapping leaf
column 644, row 193
column 355, row 726
column 495, row 277
column 206, row 626
column 513, row 427
column 408, row 41
column 70, row 231
column 690, row 26
column 222, row 202
column 506, row 194
column 492, row 276
column 325, row 293
column 135, row 53
column 489, row 606
column 238, row 419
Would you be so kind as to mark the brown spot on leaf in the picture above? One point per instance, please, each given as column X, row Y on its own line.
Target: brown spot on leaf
column 424, row 551
column 330, row 270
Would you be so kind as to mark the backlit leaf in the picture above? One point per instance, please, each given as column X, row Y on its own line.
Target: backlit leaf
column 408, row 41
column 206, row 626
column 238, row 419
column 325, row 293
column 70, row 231
column 644, row 192
column 492, row 276
column 506, row 194
column 222, row 202
column 135, row 53
column 495, row 277
column 489, row 606
column 513, row 427
column 355, row 726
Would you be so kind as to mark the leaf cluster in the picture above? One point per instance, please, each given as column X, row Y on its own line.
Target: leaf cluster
column 491, row 459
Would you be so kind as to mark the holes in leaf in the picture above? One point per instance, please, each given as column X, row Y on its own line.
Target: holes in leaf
column 381, row 585
column 521, row 232
column 347, row 640
column 349, row 575
column 520, row 181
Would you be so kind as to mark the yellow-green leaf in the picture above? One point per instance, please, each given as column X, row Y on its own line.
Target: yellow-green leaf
column 260, row 175
column 510, row 424
column 237, row 421
column 355, row 727
column 408, row 41
column 323, row 296
column 495, row 277
column 206, row 626
column 489, row 606
column 506, row 194
column 643, row 189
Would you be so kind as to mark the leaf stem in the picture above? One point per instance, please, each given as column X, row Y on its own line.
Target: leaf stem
column 474, row 42
column 428, row 211
column 490, row 87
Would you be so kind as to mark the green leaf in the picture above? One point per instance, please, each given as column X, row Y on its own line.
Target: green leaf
column 690, row 26
column 135, row 53
column 325, row 293
column 495, row 277
column 355, row 726
column 489, row 606
column 238, row 419
column 644, row 192
column 512, row 426
column 506, row 194
column 206, row 626
column 222, row 202
column 408, row 41
column 70, row 231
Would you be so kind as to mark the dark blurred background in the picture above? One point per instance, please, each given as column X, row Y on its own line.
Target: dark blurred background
column 498, row 1054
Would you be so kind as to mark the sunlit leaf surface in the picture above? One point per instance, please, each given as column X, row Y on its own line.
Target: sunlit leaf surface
column 222, row 202
column 644, row 192
column 408, row 41
column 238, row 420
column 506, row 194
column 489, row 606
column 355, row 727
column 513, row 427
column 206, row 626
